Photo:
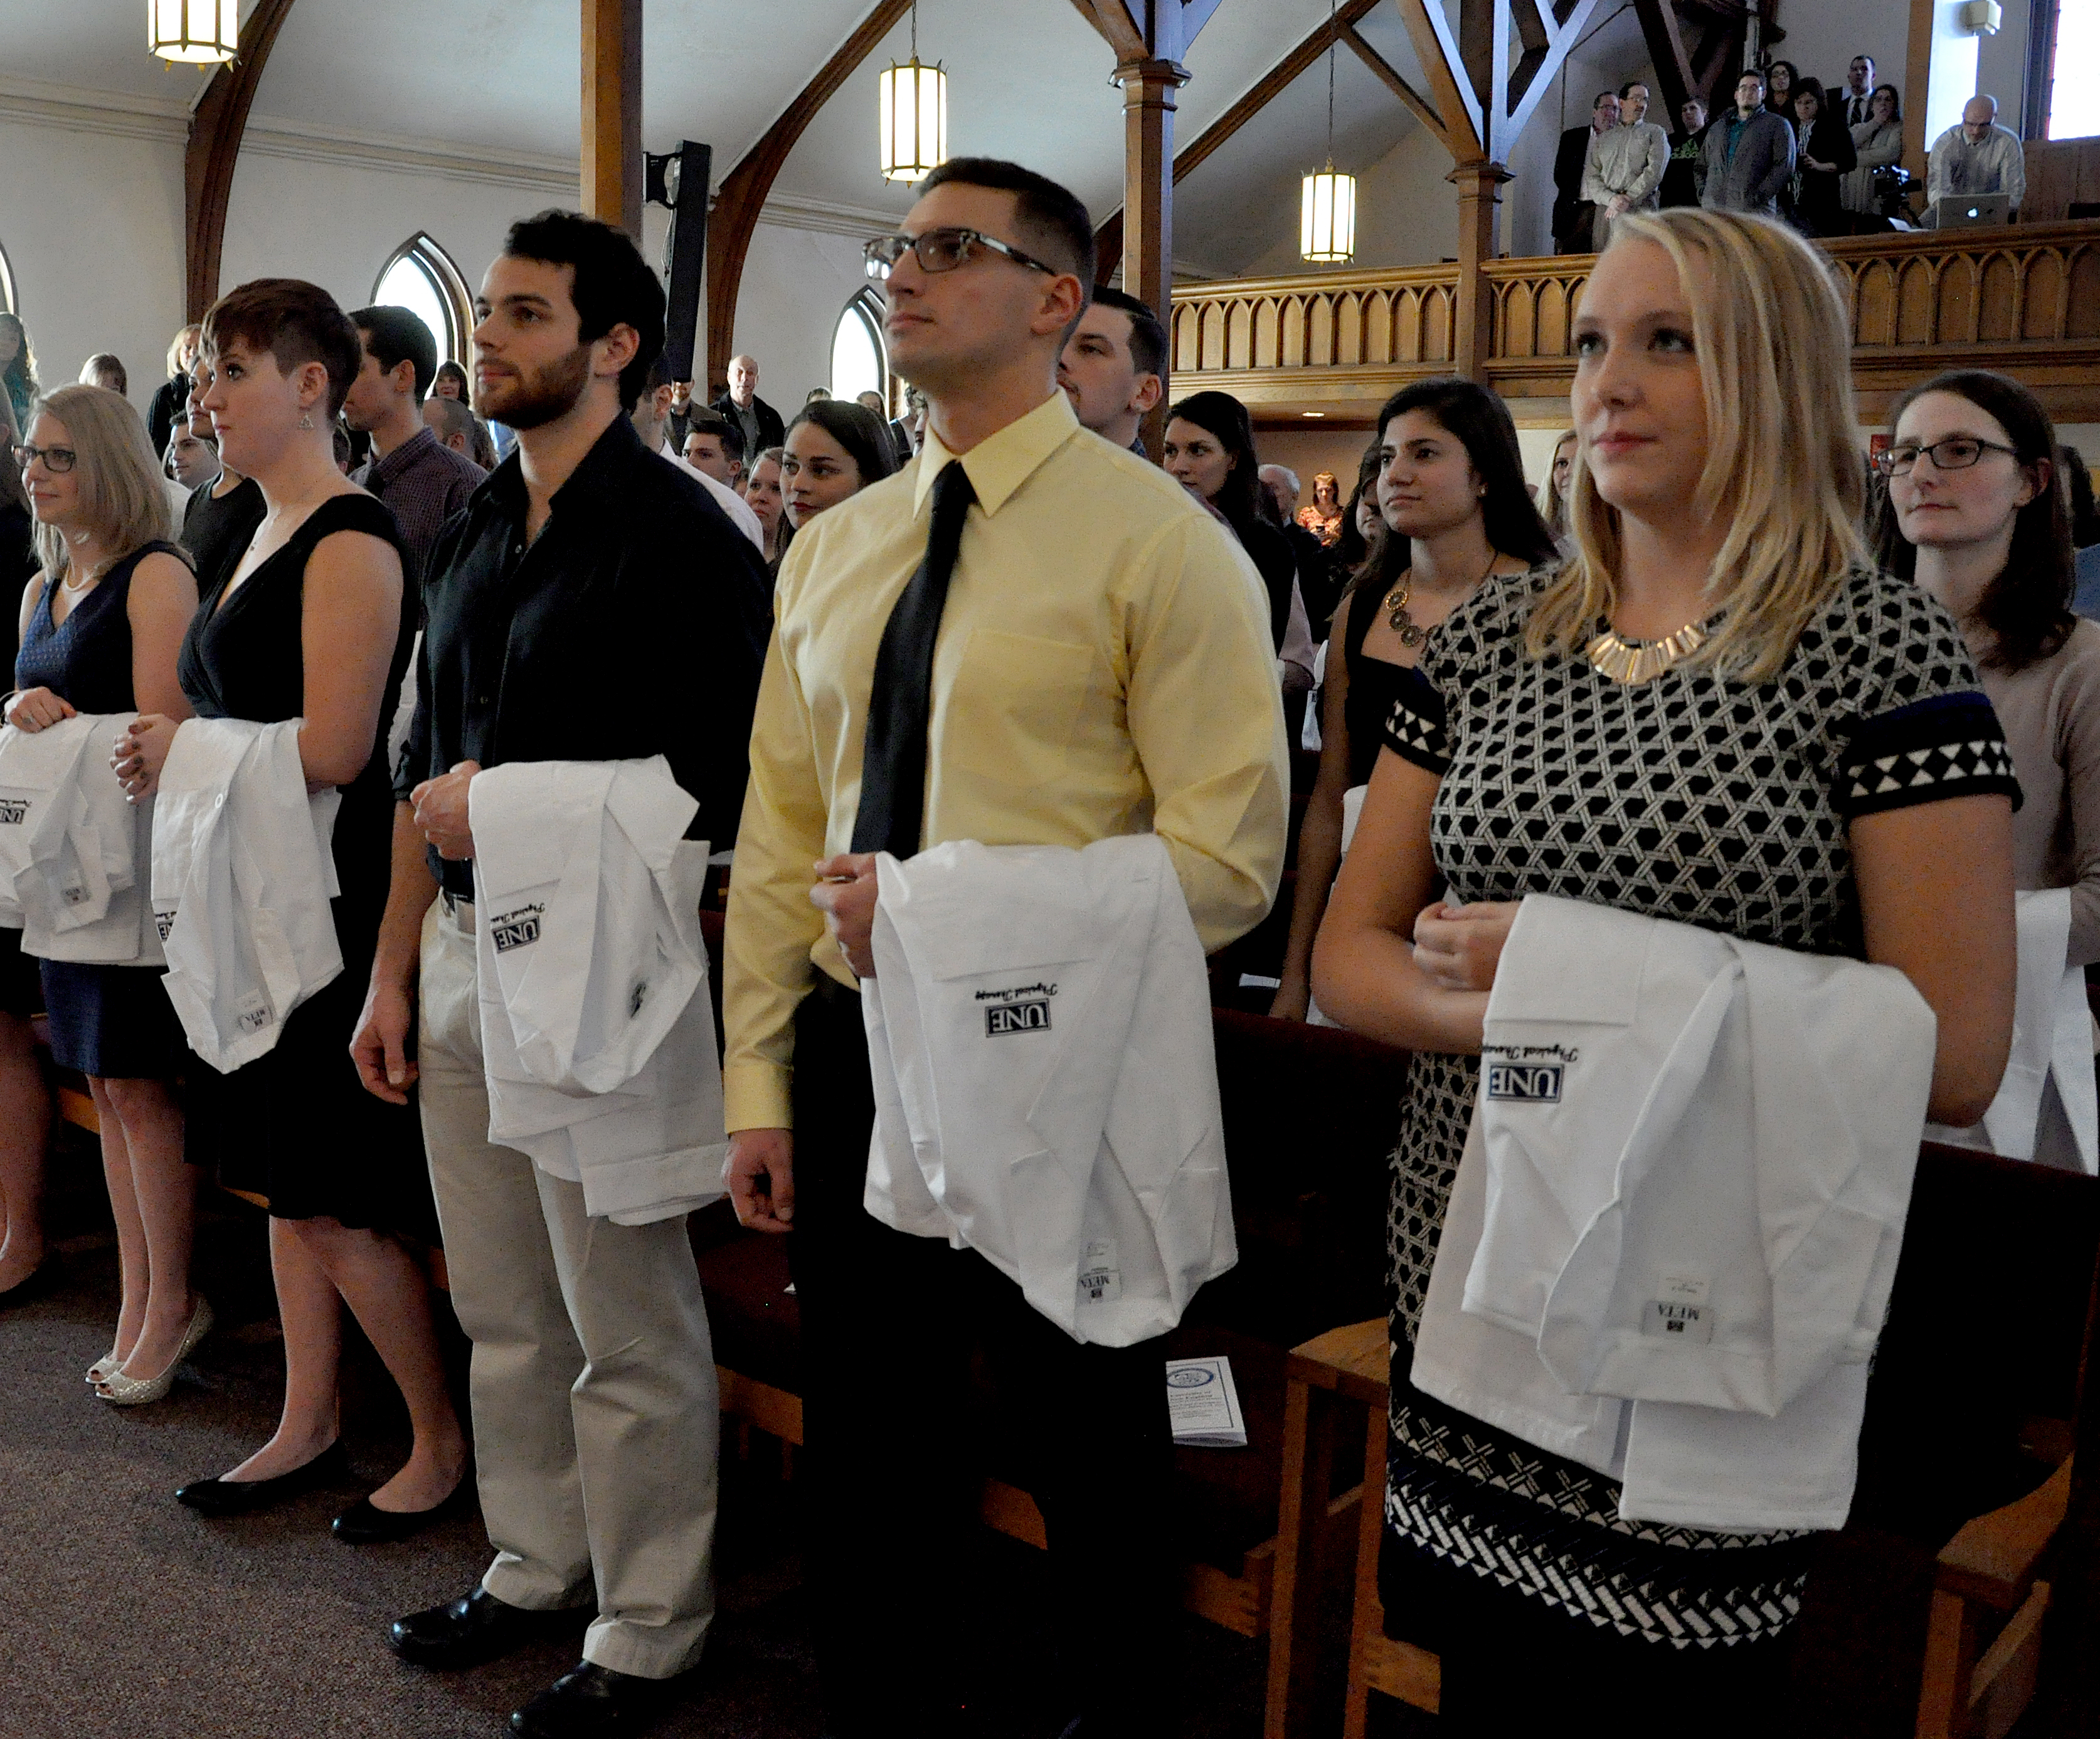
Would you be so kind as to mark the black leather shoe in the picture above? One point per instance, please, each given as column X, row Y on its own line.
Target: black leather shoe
column 476, row 1628
column 364, row 1523
column 239, row 1496
column 590, row 1701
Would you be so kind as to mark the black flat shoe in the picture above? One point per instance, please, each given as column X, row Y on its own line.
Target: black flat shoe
column 364, row 1523
column 474, row 1629
column 589, row 1701
column 217, row 1498
column 38, row 1282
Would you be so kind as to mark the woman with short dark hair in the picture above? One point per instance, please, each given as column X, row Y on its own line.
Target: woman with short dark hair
column 1824, row 156
column 310, row 622
column 1974, row 514
column 1455, row 511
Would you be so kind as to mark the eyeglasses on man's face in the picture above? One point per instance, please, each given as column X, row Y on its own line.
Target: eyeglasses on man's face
column 1956, row 453
column 58, row 461
column 941, row 251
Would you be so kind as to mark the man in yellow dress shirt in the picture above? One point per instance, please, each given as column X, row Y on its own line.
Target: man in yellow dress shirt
column 1101, row 667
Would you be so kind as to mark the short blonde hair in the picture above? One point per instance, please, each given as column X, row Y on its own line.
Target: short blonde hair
column 123, row 496
column 1784, row 470
column 191, row 336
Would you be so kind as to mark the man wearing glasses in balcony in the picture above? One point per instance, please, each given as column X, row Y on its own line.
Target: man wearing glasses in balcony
column 1103, row 667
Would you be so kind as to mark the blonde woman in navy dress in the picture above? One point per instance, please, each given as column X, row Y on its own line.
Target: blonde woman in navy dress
column 311, row 620
column 101, row 622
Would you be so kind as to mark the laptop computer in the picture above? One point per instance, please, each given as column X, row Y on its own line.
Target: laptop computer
column 1972, row 210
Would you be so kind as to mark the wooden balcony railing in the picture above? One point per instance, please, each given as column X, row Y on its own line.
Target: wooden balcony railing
column 2025, row 299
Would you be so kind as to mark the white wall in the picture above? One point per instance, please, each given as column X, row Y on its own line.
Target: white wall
column 797, row 282
column 1822, row 37
column 93, row 227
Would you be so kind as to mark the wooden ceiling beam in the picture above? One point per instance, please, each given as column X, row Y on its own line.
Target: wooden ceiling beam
column 612, row 167
column 1417, row 104
column 217, row 125
column 1665, row 47
column 1450, row 89
column 743, row 191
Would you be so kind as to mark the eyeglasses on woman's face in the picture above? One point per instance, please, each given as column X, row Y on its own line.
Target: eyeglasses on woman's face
column 58, row 461
column 1957, row 452
column 941, row 251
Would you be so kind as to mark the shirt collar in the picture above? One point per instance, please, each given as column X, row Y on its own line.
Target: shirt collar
column 401, row 458
column 600, row 472
column 1000, row 463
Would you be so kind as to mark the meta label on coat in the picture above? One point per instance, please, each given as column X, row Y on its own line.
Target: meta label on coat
column 1683, row 1313
column 1100, row 1272
column 515, row 929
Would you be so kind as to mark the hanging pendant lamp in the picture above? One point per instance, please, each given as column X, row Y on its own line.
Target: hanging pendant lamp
column 194, row 33
column 1327, row 213
column 914, row 117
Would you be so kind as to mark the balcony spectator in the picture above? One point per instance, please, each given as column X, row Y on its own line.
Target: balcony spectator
column 1781, row 77
column 1749, row 158
column 1876, row 143
column 1680, row 177
column 1824, row 156
column 171, row 399
column 1624, row 170
column 1572, row 214
column 1977, row 156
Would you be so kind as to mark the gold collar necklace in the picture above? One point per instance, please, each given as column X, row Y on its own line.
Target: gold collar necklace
column 1631, row 661
column 1412, row 634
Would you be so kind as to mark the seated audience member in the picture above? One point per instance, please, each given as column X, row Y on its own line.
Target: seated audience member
column 1456, row 514
column 105, row 371
column 1210, row 451
column 1113, row 367
column 835, row 449
column 1977, row 156
column 18, row 370
column 1975, row 514
column 2084, row 530
column 1748, row 156
column 1720, row 599
column 101, row 627
column 1680, row 176
column 452, row 423
column 171, row 398
column 451, row 382
column 715, row 445
column 26, row 1102
column 650, row 415
column 1623, row 171
column 422, row 481
column 1876, row 143
column 192, row 460
column 761, row 423
column 1323, row 516
column 312, row 621
column 1824, row 155
column 763, row 494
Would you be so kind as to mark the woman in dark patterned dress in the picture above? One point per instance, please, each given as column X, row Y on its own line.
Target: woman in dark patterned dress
column 309, row 621
column 100, row 623
column 1691, row 720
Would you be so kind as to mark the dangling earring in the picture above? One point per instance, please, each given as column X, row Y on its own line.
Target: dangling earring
column 305, row 419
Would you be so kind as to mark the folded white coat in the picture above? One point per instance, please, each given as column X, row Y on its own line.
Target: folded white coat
column 70, row 846
column 242, row 876
column 597, row 1031
column 1045, row 1079
column 1690, row 1201
column 2052, row 1045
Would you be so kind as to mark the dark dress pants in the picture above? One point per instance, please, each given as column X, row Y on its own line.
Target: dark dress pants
column 894, row 1328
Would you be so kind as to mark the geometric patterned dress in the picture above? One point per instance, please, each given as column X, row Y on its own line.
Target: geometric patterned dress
column 1685, row 798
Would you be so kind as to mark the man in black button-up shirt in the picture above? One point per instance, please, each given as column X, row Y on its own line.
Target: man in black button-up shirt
column 591, row 604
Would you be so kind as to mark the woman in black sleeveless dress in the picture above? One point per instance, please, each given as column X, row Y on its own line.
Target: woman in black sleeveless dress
column 1459, row 512
column 100, row 626
column 311, row 621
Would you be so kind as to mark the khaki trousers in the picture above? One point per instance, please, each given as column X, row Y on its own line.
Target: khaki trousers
column 596, row 1427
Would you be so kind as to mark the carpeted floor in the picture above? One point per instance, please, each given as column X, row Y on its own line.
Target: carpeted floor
column 123, row 1614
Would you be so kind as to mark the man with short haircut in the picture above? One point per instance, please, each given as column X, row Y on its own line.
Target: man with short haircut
column 1114, row 366
column 650, row 413
column 1977, row 156
column 1748, row 157
column 1623, row 171
column 420, row 478
column 681, row 416
column 714, row 447
column 1573, row 214
column 452, row 422
column 1858, row 92
column 760, row 422
column 911, row 698
column 1680, row 179
column 591, row 605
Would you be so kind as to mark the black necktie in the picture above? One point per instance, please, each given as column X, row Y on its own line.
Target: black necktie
column 892, row 767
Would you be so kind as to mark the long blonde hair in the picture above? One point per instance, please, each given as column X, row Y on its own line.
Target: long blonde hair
column 123, row 497
column 1783, row 471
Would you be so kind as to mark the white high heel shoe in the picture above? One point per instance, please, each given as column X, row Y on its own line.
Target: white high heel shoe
column 120, row 1391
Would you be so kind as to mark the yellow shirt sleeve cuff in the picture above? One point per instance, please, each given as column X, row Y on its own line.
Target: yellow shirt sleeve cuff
column 757, row 1096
